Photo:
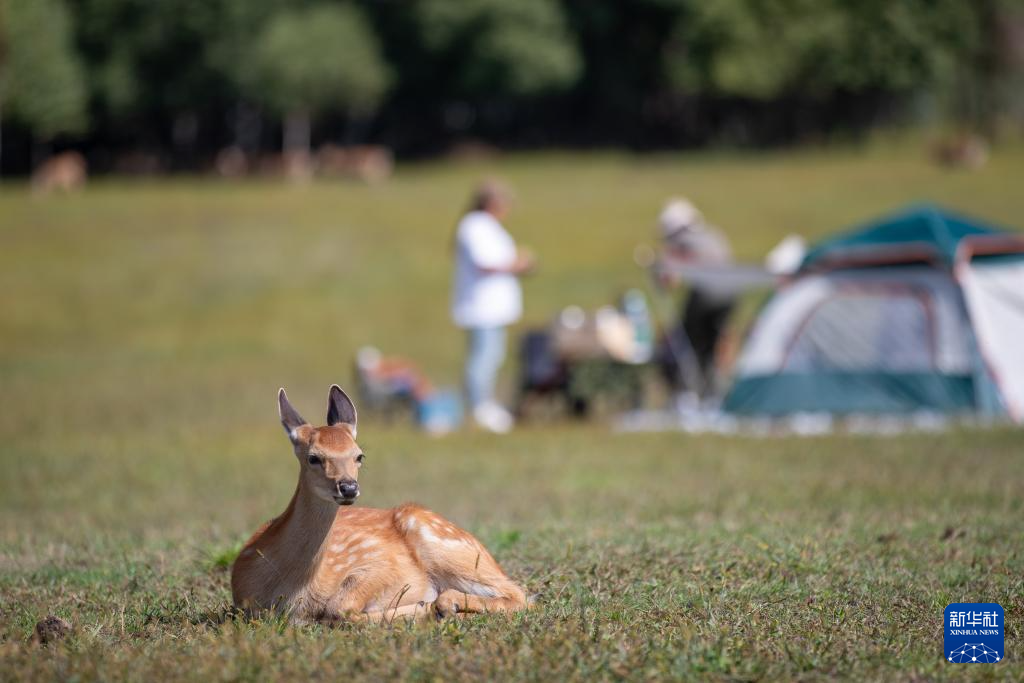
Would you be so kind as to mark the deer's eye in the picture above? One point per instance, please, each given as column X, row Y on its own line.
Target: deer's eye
column 315, row 460
column 360, row 458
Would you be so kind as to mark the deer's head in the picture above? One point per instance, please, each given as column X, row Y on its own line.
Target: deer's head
column 329, row 457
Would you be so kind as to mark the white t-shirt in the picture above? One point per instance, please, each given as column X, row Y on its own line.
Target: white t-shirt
column 479, row 298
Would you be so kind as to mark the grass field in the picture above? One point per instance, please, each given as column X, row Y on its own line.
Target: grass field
column 145, row 328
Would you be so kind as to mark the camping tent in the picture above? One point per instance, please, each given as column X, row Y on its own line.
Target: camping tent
column 919, row 311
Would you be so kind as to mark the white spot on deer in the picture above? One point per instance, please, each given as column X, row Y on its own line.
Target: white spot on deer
column 368, row 543
column 475, row 588
column 429, row 536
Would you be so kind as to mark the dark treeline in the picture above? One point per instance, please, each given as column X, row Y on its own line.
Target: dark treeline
column 171, row 82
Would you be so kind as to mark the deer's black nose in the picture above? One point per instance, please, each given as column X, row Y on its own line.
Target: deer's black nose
column 348, row 489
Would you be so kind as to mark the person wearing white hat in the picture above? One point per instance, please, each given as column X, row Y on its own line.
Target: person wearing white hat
column 686, row 237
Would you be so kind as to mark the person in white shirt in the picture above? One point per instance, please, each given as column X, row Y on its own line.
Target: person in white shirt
column 487, row 298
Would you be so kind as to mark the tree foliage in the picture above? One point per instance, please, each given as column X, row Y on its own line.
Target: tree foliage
column 765, row 49
column 42, row 82
column 498, row 47
column 419, row 75
column 230, row 51
column 316, row 59
column 147, row 57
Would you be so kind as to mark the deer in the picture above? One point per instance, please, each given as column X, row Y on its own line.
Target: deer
column 64, row 172
column 324, row 560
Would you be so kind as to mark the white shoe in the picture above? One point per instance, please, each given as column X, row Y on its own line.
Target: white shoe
column 493, row 418
column 686, row 402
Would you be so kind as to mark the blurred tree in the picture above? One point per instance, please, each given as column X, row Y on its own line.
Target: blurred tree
column 986, row 83
column 42, row 83
column 151, row 83
column 493, row 46
column 229, row 53
column 813, row 65
column 177, row 79
column 309, row 61
column 476, row 69
column 770, row 49
column 623, row 46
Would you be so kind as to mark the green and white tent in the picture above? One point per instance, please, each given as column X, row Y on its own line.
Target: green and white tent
column 921, row 311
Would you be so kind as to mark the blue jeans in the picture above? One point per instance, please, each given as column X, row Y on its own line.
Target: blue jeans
column 485, row 355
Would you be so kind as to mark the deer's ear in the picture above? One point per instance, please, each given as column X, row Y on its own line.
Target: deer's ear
column 290, row 418
column 340, row 409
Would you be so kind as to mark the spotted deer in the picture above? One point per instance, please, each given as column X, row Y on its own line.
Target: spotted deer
column 324, row 560
column 64, row 172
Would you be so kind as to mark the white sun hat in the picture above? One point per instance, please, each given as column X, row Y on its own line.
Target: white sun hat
column 368, row 358
column 678, row 215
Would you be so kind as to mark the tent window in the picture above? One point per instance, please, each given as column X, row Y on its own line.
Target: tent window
column 889, row 331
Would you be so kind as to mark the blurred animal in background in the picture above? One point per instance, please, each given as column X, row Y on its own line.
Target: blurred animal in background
column 298, row 165
column 472, row 152
column 64, row 172
column 322, row 560
column 369, row 163
column 232, row 162
column 964, row 150
column 139, row 163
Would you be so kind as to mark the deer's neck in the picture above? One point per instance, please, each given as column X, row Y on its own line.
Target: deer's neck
column 299, row 536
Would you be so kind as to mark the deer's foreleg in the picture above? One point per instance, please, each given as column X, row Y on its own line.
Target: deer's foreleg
column 417, row 611
column 452, row 602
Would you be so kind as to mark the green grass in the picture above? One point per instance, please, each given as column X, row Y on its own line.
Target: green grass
column 145, row 328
